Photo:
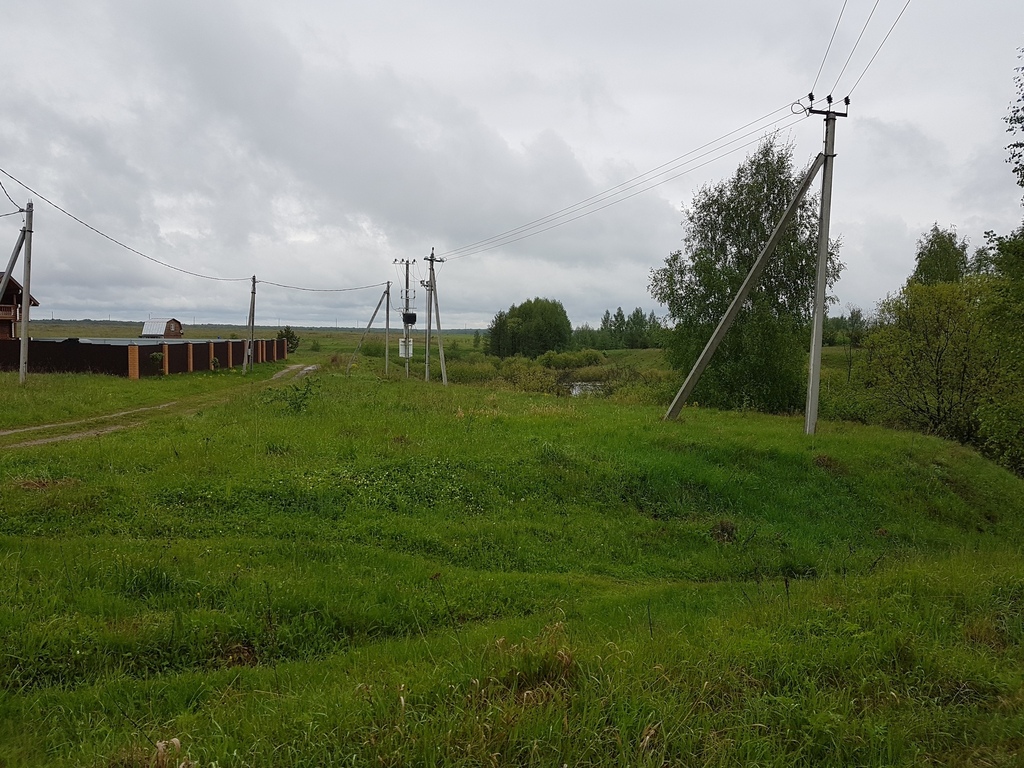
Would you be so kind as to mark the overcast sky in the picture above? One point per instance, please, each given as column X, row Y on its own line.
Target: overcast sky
column 313, row 143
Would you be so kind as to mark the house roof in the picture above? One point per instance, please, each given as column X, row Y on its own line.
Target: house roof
column 156, row 326
column 14, row 290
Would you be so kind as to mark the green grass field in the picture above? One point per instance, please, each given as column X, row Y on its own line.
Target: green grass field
column 360, row 570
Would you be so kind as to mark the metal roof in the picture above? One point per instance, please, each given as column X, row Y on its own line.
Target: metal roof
column 157, row 326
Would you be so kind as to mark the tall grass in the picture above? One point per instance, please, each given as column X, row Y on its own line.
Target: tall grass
column 383, row 571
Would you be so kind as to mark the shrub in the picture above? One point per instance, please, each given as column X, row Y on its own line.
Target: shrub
column 291, row 338
column 373, row 348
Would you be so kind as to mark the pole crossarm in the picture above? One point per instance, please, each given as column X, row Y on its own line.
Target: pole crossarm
column 741, row 295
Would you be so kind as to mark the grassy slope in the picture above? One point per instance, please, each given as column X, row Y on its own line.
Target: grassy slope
column 411, row 575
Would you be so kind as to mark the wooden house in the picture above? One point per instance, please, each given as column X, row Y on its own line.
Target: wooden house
column 10, row 308
column 162, row 328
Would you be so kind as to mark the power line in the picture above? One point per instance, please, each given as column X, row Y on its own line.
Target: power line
column 164, row 263
column 321, row 290
column 118, row 242
column 12, row 213
column 581, row 209
column 855, row 46
column 905, row 6
column 624, row 186
column 829, row 48
column 10, row 198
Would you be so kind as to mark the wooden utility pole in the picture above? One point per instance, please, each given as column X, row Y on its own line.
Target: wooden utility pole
column 26, row 294
column 252, row 329
column 821, row 280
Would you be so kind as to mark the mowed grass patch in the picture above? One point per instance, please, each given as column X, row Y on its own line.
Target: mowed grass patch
column 347, row 569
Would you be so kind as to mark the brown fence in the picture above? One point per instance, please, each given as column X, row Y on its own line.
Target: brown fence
column 135, row 358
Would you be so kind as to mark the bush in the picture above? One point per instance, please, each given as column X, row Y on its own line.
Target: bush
column 291, row 338
column 373, row 348
column 562, row 361
column 528, row 376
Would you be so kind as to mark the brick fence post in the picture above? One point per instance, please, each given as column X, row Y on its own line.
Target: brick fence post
column 133, row 361
column 167, row 359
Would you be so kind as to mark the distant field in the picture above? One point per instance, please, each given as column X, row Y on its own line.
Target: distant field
column 370, row 571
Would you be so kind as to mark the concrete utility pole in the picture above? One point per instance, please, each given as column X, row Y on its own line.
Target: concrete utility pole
column 408, row 318
column 387, row 328
column 432, row 294
column 428, row 286
column 821, row 281
column 26, row 294
column 252, row 328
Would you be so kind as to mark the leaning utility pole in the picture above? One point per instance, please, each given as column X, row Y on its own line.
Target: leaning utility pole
column 26, row 294
column 5, row 278
column 383, row 297
column 821, row 281
column 741, row 296
column 252, row 329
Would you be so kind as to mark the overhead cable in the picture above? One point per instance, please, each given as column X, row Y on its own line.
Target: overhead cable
column 164, row 263
column 118, row 242
column 624, row 186
column 829, row 48
column 585, row 208
column 855, row 46
column 321, row 290
column 871, row 61
column 10, row 198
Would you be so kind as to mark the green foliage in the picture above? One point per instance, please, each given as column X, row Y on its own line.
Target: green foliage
column 931, row 363
column 1015, row 127
column 530, row 329
column 295, row 398
column 948, row 357
column 941, row 258
column 292, row 339
column 373, row 348
column 562, row 361
column 527, row 376
column 314, row 346
column 619, row 331
column 761, row 360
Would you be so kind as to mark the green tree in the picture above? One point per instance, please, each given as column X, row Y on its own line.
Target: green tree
column 291, row 338
column 761, row 361
column 941, row 258
column 1015, row 126
column 530, row 329
column 932, row 363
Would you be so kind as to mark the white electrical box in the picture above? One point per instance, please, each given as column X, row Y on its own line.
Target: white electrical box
column 405, row 348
